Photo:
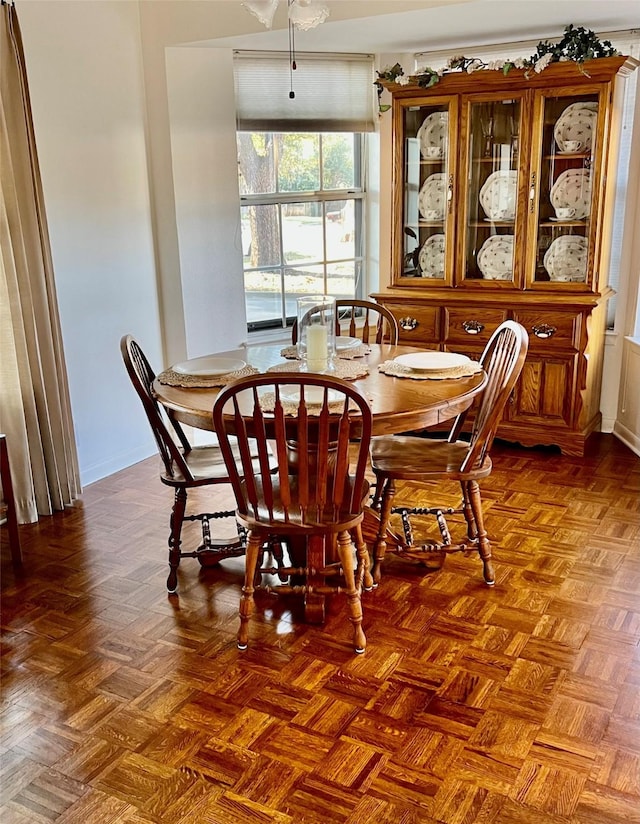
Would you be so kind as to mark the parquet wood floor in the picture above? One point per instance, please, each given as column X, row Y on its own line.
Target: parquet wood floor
column 513, row 705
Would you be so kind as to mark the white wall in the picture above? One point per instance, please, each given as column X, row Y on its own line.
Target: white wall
column 627, row 423
column 83, row 63
column 205, row 177
column 140, row 218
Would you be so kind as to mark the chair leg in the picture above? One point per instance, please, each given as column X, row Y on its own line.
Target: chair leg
column 354, row 605
column 254, row 546
column 484, row 545
column 380, row 546
column 177, row 519
column 363, row 574
column 275, row 545
column 467, row 511
column 377, row 494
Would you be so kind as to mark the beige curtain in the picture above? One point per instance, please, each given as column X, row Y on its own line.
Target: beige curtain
column 35, row 411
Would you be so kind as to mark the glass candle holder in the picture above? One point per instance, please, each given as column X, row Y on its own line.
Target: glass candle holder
column 316, row 332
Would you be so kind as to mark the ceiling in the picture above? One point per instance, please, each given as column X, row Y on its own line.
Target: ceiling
column 441, row 24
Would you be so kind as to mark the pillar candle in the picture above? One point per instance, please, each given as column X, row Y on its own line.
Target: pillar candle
column 317, row 347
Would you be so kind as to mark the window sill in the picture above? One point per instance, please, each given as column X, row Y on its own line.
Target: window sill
column 269, row 336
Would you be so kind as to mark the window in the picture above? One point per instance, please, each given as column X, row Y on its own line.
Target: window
column 302, row 220
column 301, row 179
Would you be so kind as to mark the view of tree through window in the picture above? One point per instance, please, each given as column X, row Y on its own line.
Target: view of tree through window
column 301, row 213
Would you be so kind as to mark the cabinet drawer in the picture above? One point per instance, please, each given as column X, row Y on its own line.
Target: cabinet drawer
column 417, row 323
column 551, row 330
column 471, row 325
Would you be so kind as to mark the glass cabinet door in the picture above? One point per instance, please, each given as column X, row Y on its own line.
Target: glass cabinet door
column 428, row 178
column 562, row 189
column 493, row 214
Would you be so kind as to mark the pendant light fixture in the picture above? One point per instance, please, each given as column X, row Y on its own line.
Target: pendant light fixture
column 302, row 14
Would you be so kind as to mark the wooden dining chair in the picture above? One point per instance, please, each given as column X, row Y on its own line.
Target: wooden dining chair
column 361, row 316
column 318, row 492
column 183, row 467
column 410, row 458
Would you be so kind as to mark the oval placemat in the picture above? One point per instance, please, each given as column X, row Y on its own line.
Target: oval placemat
column 396, row 370
column 171, row 378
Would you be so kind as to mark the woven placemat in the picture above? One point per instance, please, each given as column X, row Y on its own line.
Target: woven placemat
column 171, row 378
column 347, row 370
column 396, row 370
column 268, row 403
column 344, row 354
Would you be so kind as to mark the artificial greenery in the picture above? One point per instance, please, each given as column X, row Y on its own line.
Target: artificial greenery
column 391, row 75
column 577, row 45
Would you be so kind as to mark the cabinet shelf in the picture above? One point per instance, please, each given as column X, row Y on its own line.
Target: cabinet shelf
column 431, row 164
column 490, row 224
column 562, row 224
column 568, row 156
column 425, row 224
column 495, row 161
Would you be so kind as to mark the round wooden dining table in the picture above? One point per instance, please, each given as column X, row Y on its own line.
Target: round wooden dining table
column 398, row 405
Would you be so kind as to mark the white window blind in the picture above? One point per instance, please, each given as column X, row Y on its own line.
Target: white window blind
column 333, row 92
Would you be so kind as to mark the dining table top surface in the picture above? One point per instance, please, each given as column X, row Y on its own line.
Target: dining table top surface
column 399, row 404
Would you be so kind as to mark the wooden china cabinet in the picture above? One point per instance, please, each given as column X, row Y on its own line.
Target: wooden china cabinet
column 503, row 191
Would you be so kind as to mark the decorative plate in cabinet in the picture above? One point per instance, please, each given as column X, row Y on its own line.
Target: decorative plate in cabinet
column 573, row 131
column 566, row 259
column 432, row 198
column 432, row 135
column 495, row 258
column 572, row 190
column 431, row 257
column 499, row 194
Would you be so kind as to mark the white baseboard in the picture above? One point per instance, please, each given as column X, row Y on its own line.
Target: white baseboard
column 608, row 425
column 90, row 474
column 627, row 437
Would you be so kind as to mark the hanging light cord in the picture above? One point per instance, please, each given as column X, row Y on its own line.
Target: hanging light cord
column 292, row 55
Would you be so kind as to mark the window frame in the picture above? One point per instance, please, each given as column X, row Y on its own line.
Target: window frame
column 356, row 193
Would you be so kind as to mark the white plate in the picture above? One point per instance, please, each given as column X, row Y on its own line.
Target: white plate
column 576, row 122
column 432, row 361
column 572, row 190
column 433, row 196
column 312, row 395
column 431, row 257
column 433, row 134
column 495, row 258
column 209, row 366
column 499, row 195
column 346, row 343
column 566, row 259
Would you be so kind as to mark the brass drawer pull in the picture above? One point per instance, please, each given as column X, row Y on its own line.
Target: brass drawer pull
column 408, row 324
column 472, row 327
column 544, row 330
